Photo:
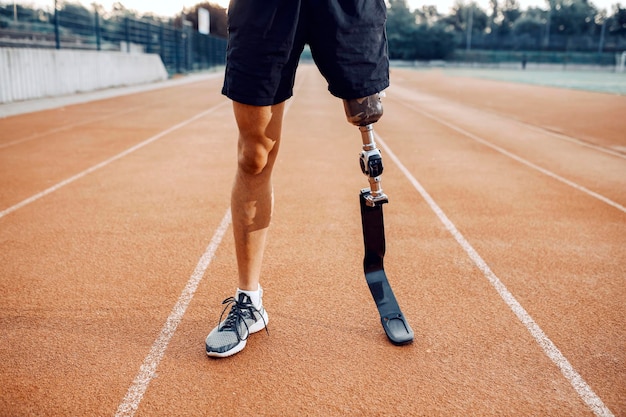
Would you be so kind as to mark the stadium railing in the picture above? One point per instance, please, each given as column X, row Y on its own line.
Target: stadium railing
column 182, row 49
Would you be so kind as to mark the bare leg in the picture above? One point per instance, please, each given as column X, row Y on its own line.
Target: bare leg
column 252, row 196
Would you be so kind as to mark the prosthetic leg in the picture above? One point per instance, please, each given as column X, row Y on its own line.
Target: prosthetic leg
column 364, row 112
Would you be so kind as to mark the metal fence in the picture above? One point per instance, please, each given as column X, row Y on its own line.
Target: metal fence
column 573, row 59
column 181, row 48
column 589, row 43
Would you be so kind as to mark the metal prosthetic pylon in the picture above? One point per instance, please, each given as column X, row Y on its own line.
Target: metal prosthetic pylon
column 364, row 113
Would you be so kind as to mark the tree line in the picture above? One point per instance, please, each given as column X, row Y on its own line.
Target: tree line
column 562, row 25
column 422, row 34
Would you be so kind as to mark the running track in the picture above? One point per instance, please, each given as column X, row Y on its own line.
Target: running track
column 506, row 248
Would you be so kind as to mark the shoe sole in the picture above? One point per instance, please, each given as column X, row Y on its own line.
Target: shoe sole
column 256, row 327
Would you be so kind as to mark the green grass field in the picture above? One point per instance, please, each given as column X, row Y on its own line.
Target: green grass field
column 604, row 82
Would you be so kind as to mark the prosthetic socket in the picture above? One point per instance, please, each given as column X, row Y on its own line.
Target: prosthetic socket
column 364, row 112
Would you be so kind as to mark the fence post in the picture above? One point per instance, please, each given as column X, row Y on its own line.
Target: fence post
column 601, row 44
column 470, row 28
column 177, row 37
column 162, row 42
column 189, row 49
column 56, row 26
column 546, row 39
column 149, row 38
column 98, row 44
column 127, row 33
column 187, row 33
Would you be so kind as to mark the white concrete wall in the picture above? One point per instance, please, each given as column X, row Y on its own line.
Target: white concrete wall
column 36, row 73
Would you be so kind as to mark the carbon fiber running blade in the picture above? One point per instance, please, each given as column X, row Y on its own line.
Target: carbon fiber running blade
column 393, row 321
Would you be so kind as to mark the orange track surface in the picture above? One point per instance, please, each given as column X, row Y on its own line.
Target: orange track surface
column 511, row 269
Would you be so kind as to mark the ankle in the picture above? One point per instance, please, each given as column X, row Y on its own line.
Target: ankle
column 255, row 296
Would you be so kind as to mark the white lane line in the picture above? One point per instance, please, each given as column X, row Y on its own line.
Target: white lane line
column 147, row 372
column 582, row 388
column 71, row 126
column 108, row 161
column 517, row 158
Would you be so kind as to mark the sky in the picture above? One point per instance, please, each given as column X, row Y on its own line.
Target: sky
column 169, row 8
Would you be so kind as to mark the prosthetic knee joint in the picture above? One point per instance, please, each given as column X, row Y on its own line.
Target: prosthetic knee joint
column 364, row 112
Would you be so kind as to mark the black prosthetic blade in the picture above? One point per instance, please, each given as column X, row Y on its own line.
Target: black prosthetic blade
column 394, row 323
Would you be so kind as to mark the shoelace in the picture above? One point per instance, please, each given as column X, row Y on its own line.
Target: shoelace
column 239, row 312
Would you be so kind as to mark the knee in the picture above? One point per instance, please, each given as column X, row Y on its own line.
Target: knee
column 364, row 111
column 253, row 156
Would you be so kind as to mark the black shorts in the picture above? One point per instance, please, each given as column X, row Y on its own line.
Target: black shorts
column 266, row 38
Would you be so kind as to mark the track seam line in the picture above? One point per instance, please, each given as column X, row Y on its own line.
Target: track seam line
column 566, row 138
column 107, row 162
column 550, row 349
column 537, row 128
column 147, row 372
column 517, row 158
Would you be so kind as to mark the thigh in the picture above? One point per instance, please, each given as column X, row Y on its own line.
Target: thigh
column 350, row 49
column 260, row 45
